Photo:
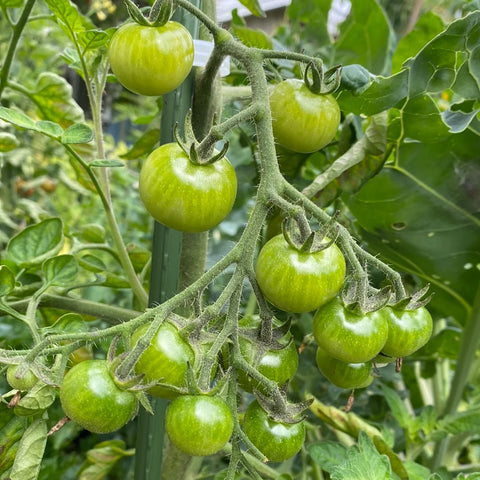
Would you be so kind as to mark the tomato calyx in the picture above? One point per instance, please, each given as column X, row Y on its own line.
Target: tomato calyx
column 320, row 82
column 298, row 234
column 414, row 301
column 279, row 409
column 159, row 14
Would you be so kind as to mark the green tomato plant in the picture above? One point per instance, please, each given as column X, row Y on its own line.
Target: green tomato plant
column 332, row 142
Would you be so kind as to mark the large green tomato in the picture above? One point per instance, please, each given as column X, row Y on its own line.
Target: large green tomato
column 347, row 336
column 91, row 398
column 199, row 425
column 151, row 60
column 295, row 281
column 278, row 365
column 277, row 441
column 166, row 359
column 408, row 330
column 342, row 374
column 184, row 196
column 302, row 121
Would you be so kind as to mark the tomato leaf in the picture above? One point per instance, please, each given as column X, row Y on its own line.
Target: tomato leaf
column 36, row 243
column 106, row 163
column 10, row 433
column 328, row 454
column 143, row 145
column 7, row 281
column 102, row 458
column 37, row 399
column 420, row 215
column 462, row 422
column 249, row 36
column 68, row 16
column 11, row 3
column 30, row 452
column 254, row 7
column 8, row 142
column 363, row 462
column 77, row 133
column 91, row 39
column 60, row 270
column 365, row 38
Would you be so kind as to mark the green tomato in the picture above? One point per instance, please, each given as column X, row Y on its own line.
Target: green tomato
column 199, row 425
column 277, row 441
column 347, row 336
column 408, row 330
column 342, row 374
column 184, row 196
column 295, row 281
column 25, row 382
column 278, row 365
column 91, row 398
column 151, row 60
column 166, row 359
column 302, row 121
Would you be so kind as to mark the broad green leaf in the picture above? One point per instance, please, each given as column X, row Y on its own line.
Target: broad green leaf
column 11, row 432
column 249, row 36
column 428, row 26
column 450, row 60
column 49, row 128
column 67, row 323
column 93, row 233
column 364, row 462
column 30, row 452
column 355, row 78
column 53, row 96
column 328, row 454
column 7, row 281
column 143, row 146
column 462, row 422
column 37, row 399
column 421, row 215
column 460, row 116
column 92, row 263
column 398, row 408
column 17, row 118
column 382, row 94
column 67, row 16
column 416, row 471
column 8, row 142
column 310, row 17
column 36, row 243
column 254, row 7
column 422, row 120
column 91, row 39
column 102, row 458
column 60, row 270
column 365, row 38
column 77, row 133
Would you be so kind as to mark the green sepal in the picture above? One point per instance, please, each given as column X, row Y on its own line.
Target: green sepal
column 161, row 12
column 135, row 13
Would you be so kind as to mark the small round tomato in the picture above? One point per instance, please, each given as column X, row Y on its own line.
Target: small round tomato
column 276, row 364
column 408, row 330
column 183, row 195
column 25, row 382
column 347, row 336
column 91, row 398
column 302, row 121
column 165, row 359
column 296, row 281
column 151, row 60
column 277, row 441
column 342, row 374
column 199, row 425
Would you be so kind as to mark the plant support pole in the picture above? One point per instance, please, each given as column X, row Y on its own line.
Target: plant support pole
column 166, row 249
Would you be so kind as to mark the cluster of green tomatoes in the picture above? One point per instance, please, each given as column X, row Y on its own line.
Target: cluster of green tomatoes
column 194, row 197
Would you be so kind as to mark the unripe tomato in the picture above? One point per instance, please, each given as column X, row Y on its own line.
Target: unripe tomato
column 302, row 121
column 277, row 441
column 26, row 382
column 296, row 281
column 165, row 359
column 278, row 365
column 151, row 60
column 91, row 398
column 199, row 425
column 408, row 330
column 183, row 195
column 342, row 374
column 347, row 336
